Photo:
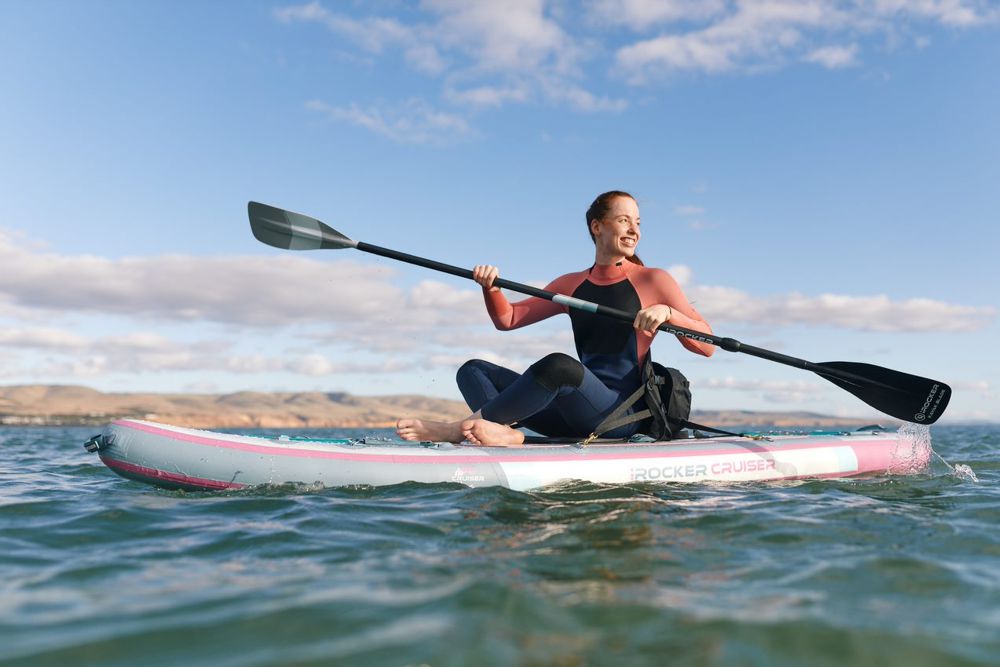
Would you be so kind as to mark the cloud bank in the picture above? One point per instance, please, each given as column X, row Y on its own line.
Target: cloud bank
column 287, row 290
column 326, row 318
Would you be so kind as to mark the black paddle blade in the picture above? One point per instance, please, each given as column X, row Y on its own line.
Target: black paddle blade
column 908, row 397
column 293, row 231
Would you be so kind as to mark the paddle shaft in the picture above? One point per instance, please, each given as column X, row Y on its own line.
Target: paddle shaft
column 728, row 344
column 904, row 396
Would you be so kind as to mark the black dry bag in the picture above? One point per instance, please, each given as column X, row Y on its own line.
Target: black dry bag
column 668, row 397
column 668, row 405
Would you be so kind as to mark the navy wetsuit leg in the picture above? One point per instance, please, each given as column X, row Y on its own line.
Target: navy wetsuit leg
column 481, row 381
column 557, row 396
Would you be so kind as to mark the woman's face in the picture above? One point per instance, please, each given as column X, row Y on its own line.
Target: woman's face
column 617, row 233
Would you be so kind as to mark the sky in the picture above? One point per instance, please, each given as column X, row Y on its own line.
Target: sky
column 822, row 177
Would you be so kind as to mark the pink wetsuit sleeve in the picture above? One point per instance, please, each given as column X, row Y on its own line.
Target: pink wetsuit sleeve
column 507, row 315
column 662, row 289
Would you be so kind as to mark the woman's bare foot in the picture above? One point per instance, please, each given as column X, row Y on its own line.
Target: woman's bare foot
column 484, row 432
column 427, row 430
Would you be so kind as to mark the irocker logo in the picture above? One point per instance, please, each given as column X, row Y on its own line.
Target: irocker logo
column 702, row 339
column 926, row 409
column 464, row 476
column 730, row 467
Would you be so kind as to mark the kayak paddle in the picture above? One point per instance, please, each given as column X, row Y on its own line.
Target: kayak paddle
column 908, row 397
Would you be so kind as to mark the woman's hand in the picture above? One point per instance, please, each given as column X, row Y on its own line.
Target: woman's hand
column 649, row 319
column 484, row 274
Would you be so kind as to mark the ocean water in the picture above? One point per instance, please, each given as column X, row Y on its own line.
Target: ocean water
column 98, row 570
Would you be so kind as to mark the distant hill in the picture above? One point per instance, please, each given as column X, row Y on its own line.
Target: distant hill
column 68, row 405
column 727, row 418
column 74, row 405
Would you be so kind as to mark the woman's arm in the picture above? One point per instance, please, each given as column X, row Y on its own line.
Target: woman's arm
column 507, row 315
column 669, row 304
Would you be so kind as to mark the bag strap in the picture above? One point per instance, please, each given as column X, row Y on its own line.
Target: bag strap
column 712, row 429
column 618, row 418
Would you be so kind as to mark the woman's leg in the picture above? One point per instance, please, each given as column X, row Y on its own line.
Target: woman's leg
column 576, row 411
column 556, row 396
column 479, row 381
column 529, row 394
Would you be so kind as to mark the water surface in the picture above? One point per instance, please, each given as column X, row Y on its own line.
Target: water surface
column 98, row 570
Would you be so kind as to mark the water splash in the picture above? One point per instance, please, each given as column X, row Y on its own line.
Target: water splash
column 963, row 471
column 959, row 470
column 912, row 452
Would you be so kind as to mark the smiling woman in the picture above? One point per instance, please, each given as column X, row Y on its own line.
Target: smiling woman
column 558, row 395
column 616, row 209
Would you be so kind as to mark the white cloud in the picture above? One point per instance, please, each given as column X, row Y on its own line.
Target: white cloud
column 487, row 54
column 771, row 391
column 490, row 54
column 69, row 355
column 433, row 294
column 76, row 367
column 515, row 35
column 291, row 289
column 340, row 313
column 140, row 341
column 488, row 96
column 557, row 90
column 319, row 365
column 40, row 338
column 239, row 290
column 373, row 34
column 413, row 121
column 860, row 313
column 754, row 33
column 682, row 274
column 957, row 13
column 641, row 15
column 981, row 387
column 580, row 99
column 749, row 34
column 834, row 57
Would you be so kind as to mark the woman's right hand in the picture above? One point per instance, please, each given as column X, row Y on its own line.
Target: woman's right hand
column 484, row 274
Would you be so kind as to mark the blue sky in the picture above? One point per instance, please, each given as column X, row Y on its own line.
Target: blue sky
column 820, row 176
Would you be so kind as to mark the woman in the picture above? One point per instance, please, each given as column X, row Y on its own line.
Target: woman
column 559, row 395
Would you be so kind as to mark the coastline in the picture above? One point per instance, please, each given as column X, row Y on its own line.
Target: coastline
column 70, row 405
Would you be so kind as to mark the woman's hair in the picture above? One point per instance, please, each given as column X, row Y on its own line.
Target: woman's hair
column 600, row 208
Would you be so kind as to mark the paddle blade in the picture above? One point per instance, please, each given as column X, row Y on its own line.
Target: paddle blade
column 293, row 231
column 908, row 397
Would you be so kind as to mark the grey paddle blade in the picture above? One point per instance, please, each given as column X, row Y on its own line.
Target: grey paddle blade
column 293, row 231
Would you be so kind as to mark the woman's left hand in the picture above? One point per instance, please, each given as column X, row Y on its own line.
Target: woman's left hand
column 649, row 319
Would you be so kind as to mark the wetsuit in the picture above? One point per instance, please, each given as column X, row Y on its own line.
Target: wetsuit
column 558, row 395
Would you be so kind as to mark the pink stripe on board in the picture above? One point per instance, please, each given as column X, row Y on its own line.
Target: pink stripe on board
column 752, row 447
column 152, row 474
column 873, row 459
